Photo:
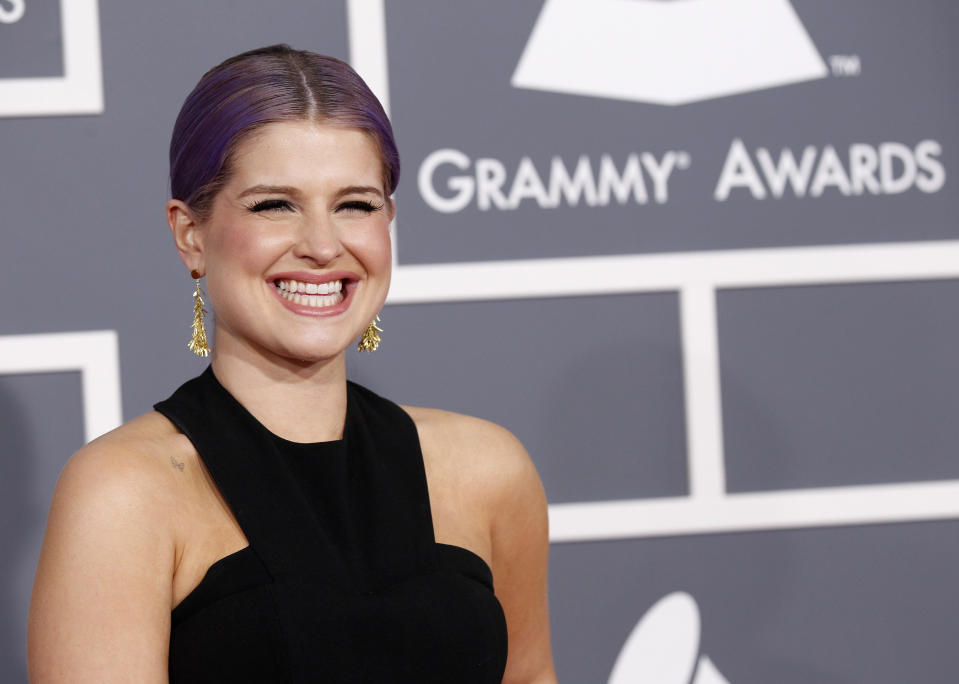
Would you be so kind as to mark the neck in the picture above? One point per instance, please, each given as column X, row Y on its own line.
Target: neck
column 298, row 401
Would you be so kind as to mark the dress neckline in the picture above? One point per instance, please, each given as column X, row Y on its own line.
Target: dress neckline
column 283, row 445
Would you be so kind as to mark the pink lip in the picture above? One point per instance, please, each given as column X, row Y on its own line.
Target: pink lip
column 349, row 286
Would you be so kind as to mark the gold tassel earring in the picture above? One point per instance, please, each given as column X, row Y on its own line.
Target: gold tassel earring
column 198, row 344
column 371, row 337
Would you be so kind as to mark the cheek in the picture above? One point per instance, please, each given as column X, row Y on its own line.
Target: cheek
column 374, row 248
column 241, row 247
column 384, row 250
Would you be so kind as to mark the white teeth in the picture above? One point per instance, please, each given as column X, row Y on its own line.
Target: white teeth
column 326, row 294
column 293, row 286
column 330, row 287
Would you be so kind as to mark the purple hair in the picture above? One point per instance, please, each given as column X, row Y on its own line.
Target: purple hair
column 250, row 90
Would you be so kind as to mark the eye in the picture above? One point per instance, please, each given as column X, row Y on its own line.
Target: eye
column 270, row 205
column 359, row 207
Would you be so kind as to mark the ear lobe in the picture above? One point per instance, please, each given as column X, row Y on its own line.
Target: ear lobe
column 187, row 234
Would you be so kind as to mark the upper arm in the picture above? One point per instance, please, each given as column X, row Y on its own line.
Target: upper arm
column 520, row 547
column 100, row 610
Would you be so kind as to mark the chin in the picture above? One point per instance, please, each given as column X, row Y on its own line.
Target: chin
column 308, row 354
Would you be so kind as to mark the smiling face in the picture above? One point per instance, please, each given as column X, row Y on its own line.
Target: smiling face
column 296, row 249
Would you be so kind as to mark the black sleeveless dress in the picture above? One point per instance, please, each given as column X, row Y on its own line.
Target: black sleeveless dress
column 343, row 580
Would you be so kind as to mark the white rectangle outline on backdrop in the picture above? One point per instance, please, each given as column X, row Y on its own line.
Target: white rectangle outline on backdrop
column 80, row 89
column 696, row 276
column 95, row 354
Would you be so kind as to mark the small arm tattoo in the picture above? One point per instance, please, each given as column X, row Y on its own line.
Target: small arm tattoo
column 179, row 465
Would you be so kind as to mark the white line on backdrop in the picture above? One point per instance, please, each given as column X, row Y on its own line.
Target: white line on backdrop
column 94, row 354
column 80, row 89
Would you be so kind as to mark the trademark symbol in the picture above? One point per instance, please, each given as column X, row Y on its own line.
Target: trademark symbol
column 682, row 160
column 845, row 65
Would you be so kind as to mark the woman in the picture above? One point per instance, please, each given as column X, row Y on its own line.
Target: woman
column 271, row 521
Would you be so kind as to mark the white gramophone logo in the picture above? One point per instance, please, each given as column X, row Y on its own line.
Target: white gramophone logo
column 666, row 52
column 663, row 647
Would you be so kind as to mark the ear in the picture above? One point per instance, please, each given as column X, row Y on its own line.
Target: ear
column 187, row 234
column 391, row 208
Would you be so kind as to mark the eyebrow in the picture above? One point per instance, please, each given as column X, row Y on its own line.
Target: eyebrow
column 294, row 192
column 359, row 190
column 269, row 190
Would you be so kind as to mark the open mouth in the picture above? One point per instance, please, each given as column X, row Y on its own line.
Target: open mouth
column 314, row 295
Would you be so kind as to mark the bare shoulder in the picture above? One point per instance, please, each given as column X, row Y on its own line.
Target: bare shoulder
column 133, row 464
column 477, row 448
column 467, row 434
column 121, row 487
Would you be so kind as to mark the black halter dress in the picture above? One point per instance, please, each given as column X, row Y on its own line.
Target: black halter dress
column 343, row 580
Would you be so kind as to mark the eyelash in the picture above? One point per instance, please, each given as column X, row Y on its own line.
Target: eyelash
column 275, row 204
column 268, row 205
column 360, row 205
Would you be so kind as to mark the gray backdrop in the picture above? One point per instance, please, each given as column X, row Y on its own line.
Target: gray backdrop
column 738, row 382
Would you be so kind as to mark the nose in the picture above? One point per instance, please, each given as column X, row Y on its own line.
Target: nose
column 317, row 240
